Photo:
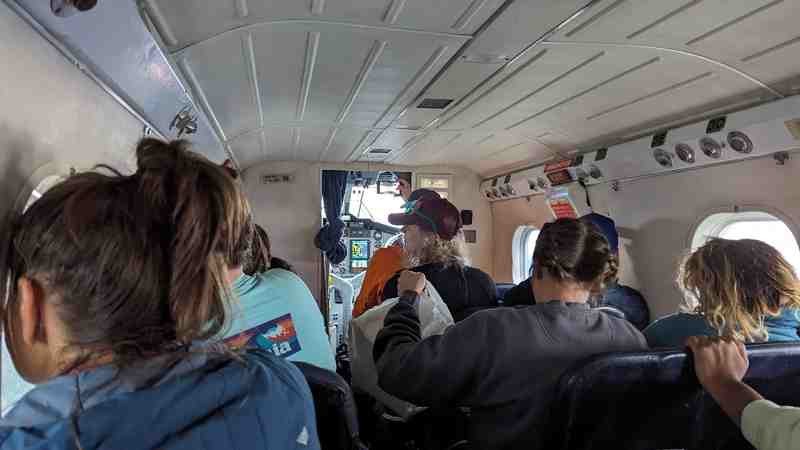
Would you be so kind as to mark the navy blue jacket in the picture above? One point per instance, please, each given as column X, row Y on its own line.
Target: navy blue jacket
column 202, row 401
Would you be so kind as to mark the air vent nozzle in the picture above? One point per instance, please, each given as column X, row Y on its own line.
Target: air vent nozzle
column 711, row 148
column 663, row 158
column 740, row 142
column 685, row 153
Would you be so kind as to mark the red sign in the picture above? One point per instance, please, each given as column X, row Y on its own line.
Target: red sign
column 563, row 164
column 562, row 208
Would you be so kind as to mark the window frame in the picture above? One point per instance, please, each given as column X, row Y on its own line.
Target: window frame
column 708, row 226
column 519, row 253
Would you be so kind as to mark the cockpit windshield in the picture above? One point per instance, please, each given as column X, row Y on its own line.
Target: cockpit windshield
column 373, row 195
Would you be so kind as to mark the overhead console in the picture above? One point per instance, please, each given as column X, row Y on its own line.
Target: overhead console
column 772, row 128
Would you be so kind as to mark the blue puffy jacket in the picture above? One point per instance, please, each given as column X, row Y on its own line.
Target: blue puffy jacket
column 202, row 401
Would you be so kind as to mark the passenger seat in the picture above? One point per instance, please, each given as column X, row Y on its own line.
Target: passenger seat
column 652, row 400
column 337, row 417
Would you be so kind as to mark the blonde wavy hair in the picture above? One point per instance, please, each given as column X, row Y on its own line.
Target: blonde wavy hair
column 736, row 285
column 434, row 249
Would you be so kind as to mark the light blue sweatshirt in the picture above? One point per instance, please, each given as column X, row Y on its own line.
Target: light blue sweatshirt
column 277, row 312
column 672, row 330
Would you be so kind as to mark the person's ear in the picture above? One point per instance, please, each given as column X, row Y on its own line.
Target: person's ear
column 31, row 301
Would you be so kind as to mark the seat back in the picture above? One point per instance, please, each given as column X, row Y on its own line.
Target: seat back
column 502, row 289
column 652, row 400
column 337, row 417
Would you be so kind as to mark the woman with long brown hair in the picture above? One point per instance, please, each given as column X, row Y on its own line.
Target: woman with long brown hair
column 116, row 287
column 741, row 289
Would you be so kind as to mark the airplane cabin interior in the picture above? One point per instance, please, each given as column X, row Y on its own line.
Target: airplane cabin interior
column 678, row 120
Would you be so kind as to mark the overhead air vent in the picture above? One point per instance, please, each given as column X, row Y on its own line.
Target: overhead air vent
column 711, row 148
column 740, row 142
column 663, row 158
column 379, row 151
column 435, row 103
column 771, row 129
column 685, row 153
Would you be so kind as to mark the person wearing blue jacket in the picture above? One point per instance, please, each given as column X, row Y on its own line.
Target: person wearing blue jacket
column 117, row 291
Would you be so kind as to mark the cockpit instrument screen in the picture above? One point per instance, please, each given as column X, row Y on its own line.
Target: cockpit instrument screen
column 359, row 254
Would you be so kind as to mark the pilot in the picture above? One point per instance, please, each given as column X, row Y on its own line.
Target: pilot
column 434, row 247
column 623, row 298
column 386, row 262
column 504, row 363
column 404, row 185
column 741, row 289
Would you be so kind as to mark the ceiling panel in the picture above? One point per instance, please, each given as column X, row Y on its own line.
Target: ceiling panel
column 427, row 149
column 330, row 79
column 279, row 85
column 249, row 150
column 537, row 77
column 280, row 144
column 525, row 151
column 311, row 143
column 346, row 142
column 184, row 22
column 219, row 69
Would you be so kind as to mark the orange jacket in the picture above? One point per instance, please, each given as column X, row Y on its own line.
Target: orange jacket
column 384, row 264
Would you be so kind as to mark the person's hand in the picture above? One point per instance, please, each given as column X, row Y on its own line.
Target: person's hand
column 718, row 361
column 411, row 281
column 721, row 364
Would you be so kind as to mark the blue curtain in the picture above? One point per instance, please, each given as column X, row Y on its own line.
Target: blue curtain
column 329, row 238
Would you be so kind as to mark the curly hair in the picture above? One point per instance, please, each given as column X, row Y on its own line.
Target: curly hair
column 735, row 285
column 438, row 250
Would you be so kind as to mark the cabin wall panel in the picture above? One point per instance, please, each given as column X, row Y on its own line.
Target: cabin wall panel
column 291, row 212
column 51, row 115
column 659, row 215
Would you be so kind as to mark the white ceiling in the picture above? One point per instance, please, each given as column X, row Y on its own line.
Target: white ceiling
column 321, row 80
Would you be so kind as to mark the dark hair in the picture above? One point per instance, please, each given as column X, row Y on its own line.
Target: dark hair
column 261, row 258
column 574, row 250
column 135, row 265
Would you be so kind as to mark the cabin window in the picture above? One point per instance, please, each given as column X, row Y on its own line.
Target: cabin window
column 522, row 252
column 759, row 225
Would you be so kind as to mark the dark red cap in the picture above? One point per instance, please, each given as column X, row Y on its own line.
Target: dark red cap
column 435, row 215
